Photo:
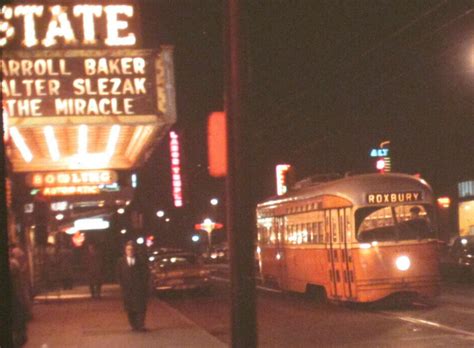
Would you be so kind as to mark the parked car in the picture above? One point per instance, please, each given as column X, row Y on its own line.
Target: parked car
column 178, row 271
column 217, row 254
column 460, row 260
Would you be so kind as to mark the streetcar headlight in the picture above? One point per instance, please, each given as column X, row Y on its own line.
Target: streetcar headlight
column 403, row 263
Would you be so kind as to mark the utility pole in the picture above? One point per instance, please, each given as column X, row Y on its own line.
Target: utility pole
column 240, row 210
column 6, row 339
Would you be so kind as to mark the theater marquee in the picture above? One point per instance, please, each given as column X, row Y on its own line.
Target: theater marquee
column 77, row 92
column 79, row 83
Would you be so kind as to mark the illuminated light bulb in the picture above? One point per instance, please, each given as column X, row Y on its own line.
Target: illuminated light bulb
column 6, row 27
column 123, row 231
column 21, row 145
column 6, row 133
column 114, row 25
column 132, row 145
column 59, row 217
column 83, row 130
column 113, row 138
column 88, row 12
column 120, row 210
column 7, row 12
column 59, row 26
column 140, row 240
column 52, row 143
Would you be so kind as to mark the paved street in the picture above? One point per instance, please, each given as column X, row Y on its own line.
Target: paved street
column 72, row 319
column 292, row 320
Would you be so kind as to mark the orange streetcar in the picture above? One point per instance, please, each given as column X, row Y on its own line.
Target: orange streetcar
column 359, row 239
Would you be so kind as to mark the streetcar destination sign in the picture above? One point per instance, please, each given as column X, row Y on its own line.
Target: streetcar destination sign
column 394, row 197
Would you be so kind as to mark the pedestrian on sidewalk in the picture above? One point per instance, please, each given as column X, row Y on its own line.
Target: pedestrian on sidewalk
column 95, row 269
column 133, row 276
column 19, row 310
column 19, row 255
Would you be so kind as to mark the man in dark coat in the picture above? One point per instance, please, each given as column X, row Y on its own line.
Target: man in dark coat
column 133, row 274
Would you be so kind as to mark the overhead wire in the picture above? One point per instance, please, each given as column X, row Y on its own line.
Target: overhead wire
column 300, row 94
column 283, row 120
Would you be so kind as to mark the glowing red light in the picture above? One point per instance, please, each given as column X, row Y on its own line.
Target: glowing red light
column 176, row 180
column 444, row 202
column 217, row 144
column 380, row 165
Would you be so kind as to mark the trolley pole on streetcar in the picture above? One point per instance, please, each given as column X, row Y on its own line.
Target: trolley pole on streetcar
column 240, row 212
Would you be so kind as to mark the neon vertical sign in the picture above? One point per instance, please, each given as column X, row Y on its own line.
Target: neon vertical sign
column 176, row 181
column 281, row 182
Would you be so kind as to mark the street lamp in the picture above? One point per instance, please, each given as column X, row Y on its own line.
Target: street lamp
column 208, row 225
column 160, row 213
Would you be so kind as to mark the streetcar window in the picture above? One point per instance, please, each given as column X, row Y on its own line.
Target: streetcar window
column 413, row 222
column 404, row 222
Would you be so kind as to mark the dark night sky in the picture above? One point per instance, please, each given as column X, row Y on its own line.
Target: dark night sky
column 328, row 81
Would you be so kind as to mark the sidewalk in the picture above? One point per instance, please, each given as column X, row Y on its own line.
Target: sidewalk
column 69, row 318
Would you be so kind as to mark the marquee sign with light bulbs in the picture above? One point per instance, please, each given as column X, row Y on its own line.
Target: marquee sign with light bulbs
column 77, row 92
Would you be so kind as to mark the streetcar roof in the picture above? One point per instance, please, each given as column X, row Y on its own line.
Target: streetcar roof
column 356, row 188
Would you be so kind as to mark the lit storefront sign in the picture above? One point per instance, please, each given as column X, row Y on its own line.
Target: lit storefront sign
column 26, row 25
column 102, row 177
column 466, row 189
column 91, row 224
column 59, row 206
column 74, row 103
column 281, row 182
column 70, row 190
column 383, row 161
column 177, row 183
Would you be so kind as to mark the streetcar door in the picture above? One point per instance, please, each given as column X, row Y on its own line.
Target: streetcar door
column 280, row 253
column 346, row 255
column 329, row 228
